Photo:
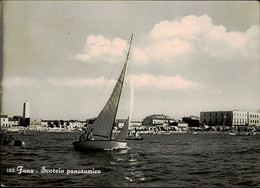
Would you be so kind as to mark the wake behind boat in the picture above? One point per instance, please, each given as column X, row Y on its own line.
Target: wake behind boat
column 102, row 128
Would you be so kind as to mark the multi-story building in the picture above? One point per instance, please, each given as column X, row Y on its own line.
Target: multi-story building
column 239, row 118
column 216, row 118
column 253, row 118
column 229, row 118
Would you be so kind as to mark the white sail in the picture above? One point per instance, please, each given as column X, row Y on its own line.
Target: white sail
column 104, row 124
column 123, row 133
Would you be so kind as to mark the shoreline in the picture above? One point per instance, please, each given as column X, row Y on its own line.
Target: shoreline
column 20, row 130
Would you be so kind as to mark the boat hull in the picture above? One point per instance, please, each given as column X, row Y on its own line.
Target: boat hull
column 99, row 145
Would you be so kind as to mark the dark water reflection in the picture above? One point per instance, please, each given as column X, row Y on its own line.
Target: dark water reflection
column 160, row 160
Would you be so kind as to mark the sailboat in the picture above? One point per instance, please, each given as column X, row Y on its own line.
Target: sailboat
column 124, row 131
column 102, row 127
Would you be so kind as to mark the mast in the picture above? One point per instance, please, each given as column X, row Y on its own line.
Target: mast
column 104, row 123
column 122, row 81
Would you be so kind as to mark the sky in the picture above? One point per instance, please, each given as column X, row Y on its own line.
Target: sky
column 64, row 57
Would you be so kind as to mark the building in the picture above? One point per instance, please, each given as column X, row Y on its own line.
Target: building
column 44, row 123
column 14, row 122
column 136, row 125
column 35, row 121
column 216, row 118
column 193, row 121
column 253, row 118
column 26, row 113
column 4, row 121
column 229, row 118
column 157, row 119
column 239, row 117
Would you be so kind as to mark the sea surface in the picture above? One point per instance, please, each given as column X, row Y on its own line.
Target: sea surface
column 165, row 160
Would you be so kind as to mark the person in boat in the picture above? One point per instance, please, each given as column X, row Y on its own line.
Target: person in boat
column 136, row 134
column 129, row 134
column 87, row 135
column 90, row 135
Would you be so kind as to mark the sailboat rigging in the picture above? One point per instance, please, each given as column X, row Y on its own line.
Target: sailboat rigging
column 102, row 128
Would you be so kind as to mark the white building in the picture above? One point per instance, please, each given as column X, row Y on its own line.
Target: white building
column 4, row 121
column 253, row 118
column 229, row 118
column 44, row 123
column 239, row 117
column 135, row 125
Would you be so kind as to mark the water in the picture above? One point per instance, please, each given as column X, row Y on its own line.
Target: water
column 176, row 160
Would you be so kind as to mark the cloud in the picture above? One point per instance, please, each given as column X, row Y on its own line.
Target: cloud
column 161, row 50
column 98, row 45
column 80, row 82
column 164, row 82
column 188, row 27
column 196, row 34
column 169, row 48
column 19, row 82
column 169, row 39
column 27, row 82
column 140, row 81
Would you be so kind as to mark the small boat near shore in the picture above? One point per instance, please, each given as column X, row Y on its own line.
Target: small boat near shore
column 8, row 140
